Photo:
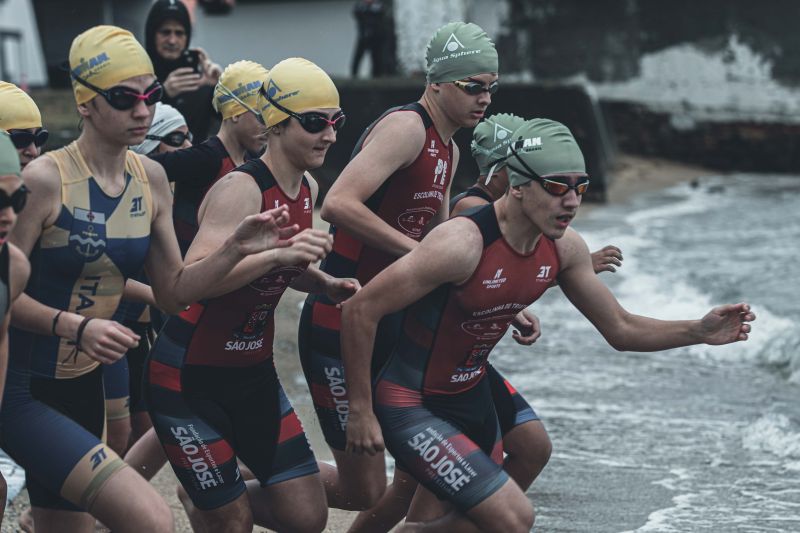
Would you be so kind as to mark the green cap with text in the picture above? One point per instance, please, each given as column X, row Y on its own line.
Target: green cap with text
column 490, row 140
column 546, row 147
column 459, row 50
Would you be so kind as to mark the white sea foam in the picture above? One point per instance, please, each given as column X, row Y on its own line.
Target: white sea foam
column 774, row 434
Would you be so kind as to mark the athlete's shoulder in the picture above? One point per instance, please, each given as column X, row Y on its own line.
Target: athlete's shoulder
column 407, row 123
column 457, row 245
column 42, row 172
column 571, row 248
column 153, row 169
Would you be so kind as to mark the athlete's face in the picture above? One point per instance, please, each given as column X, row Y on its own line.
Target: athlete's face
column 30, row 152
column 550, row 214
column 464, row 109
column 306, row 149
column 9, row 185
column 250, row 133
column 164, row 147
column 170, row 39
column 127, row 127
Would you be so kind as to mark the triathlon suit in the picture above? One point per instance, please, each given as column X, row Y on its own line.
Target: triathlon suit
column 212, row 389
column 433, row 403
column 193, row 170
column 407, row 201
column 53, row 410
column 512, row 409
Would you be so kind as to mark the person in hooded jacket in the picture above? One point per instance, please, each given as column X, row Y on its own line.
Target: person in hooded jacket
column 168, row 31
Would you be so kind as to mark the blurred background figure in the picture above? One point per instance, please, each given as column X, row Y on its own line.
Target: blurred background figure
column 187, row 74
column 21, row 118
column 370, row 38
column 167, row 133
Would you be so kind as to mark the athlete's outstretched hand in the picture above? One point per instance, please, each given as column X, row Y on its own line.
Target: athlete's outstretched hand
column 527, row 328
column 264, row 231
column 605, row 259
column 340, row 289
column 106, row 341
column 308, row 246
column 363, row 434
column 726, row 324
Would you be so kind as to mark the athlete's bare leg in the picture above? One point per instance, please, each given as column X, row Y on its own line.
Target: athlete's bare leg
column 357, row 482
column 126, row 503
column 390, row 509
column 528, row 449
column 233, row 517
column 296, row 505
column 25, row 520
column 140, row 424
column 505, row 511
column 118, row 432
column 146, row 456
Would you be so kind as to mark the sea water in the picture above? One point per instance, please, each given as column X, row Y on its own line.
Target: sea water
column 702, row 438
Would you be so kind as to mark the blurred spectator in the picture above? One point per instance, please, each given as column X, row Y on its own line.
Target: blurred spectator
column 188, row 74
column 369, row 21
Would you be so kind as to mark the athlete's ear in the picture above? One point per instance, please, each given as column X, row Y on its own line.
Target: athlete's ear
column 235, row 119
column 515, row 191
column 83, row 110
column 436, row 87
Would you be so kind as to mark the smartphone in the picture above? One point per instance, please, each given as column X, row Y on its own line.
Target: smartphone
column 191, row 58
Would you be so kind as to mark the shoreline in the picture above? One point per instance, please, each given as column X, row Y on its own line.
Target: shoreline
column 632, row 175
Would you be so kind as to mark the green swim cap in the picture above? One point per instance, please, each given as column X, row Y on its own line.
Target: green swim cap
column 490, row 141
column 9, row 158
column 459, row 50
column 546, row 147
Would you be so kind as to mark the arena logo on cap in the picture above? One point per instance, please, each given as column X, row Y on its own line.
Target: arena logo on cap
column 91, row 63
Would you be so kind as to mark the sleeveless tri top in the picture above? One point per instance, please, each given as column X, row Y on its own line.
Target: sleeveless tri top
column 81, row 262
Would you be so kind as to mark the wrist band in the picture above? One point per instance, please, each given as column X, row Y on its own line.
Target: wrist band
column 55, row 321
column 81, row 327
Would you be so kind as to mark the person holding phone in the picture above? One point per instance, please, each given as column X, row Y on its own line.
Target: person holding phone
column 187, row 74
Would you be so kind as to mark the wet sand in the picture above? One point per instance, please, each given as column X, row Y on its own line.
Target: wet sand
column 632, row 175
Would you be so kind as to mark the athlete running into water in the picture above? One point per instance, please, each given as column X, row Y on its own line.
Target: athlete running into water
column 394, row 189
column 462, row 288
column 96, row 214
column 214, row 395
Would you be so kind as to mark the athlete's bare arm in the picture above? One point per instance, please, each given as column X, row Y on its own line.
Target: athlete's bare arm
column 42, row 177
column 394, row 143
column 467, row 203
column 218, row 221
column 626, row 331
column 450, row 253
column 176, row 284
column 136, row 291
column 18, row 271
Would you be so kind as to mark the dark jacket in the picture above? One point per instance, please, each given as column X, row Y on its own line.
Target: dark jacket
column 194, row 106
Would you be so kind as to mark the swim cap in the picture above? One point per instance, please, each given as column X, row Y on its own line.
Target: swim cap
column 297, row 84
column 243, row 79
column 17, row 110
column 9, row 158
column 490, row 141
column 547, row 147
column 105, row 56
column 459, row 50
column 165, row 120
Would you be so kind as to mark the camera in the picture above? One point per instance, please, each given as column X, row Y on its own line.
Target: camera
column 191, row 58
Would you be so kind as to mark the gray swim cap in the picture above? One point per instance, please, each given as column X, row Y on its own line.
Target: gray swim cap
column 9, row 158
column 490, row 140
column 546, row 147
column 459, row 50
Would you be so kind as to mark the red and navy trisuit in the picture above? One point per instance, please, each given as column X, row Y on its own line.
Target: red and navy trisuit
column 431, row 398
column 406, row 201
column 213, row 393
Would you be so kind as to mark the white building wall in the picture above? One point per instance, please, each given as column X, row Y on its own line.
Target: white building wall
column 23, row 61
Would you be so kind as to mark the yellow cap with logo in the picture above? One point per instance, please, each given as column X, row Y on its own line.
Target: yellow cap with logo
column 104, row 56
column 298, row 85
column 240, row 83
column 17, row 110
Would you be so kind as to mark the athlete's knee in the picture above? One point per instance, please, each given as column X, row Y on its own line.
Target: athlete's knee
column 310, row 519
column 529, row 444
column 159, row 520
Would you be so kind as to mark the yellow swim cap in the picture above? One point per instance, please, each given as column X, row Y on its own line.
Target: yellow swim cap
column 105, row 56
column 243, row 79
column 298, row 85
column 17, row 109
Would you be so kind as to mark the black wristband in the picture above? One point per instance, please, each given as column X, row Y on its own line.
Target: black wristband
column 55, row 322
column 81, row 327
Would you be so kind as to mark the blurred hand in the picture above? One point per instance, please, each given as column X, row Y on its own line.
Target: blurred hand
column 182, row 80
column 605, row 259
column 106, row 341
column 528, row 329
column 308, row 246
column 211, row 71
column 364, row 434
column 340, row 290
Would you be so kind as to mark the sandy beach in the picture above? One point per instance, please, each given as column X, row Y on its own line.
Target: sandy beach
column 632, row 175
